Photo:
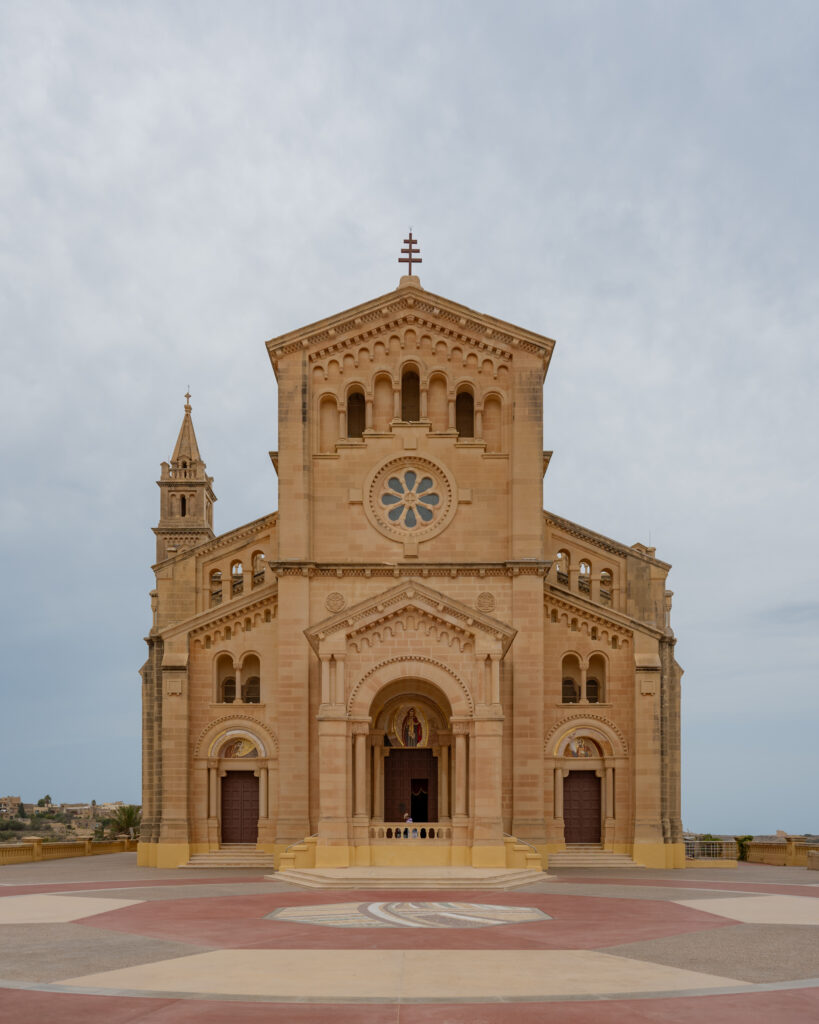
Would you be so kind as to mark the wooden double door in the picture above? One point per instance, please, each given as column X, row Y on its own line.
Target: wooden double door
column 411, row 785
column 581, row 807
column 240, row 807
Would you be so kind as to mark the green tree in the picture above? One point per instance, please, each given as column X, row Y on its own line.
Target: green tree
column 44, row 801
column 21, row 811
column 126, row 819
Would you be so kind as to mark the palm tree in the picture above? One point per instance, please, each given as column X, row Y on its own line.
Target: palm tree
column 125, row 819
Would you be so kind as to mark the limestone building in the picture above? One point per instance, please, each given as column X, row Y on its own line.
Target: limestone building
column 410, row 635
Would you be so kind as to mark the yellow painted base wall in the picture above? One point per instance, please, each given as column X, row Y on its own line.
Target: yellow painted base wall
column 658, row 855
column 163, row 855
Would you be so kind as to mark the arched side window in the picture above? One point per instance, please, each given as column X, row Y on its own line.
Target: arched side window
column 183, row 506
column 410, row 397
column 237, row 579
column 258, row 563
column 562, row 562
column 215, row 587
column 570, row 693
column 584, row 579
column 225, row 680
column 328, row 424
column 465, row 414
column 356, row 413
column 596, row 679
column 493, row 424
column 251, row 686
column 606, row 586
column 438, row 404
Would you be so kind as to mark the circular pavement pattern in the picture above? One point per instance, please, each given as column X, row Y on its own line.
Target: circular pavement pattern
column 408, row 915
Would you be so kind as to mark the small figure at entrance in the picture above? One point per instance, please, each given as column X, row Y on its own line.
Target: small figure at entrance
column 411, row 730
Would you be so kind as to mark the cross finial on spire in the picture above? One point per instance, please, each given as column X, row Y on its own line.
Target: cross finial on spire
column 188, row 399
column 412, row 252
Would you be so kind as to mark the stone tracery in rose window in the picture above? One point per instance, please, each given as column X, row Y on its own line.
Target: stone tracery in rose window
column 411, row 499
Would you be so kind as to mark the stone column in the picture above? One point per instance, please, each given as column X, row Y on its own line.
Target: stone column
column 361, row 734
column 494, row 693
column 342, row 421
column 424, row 399
column 583, row 699
column 213, row 790
column 237, row 675
column 451, row 408
column 339, row 687
column 263, row 792
column 396, row 402
column 595, row 588
column 368, row 412
column 459, row 729
column 609, row 792
column 325, row 678
column 479, row 422
column 378, row 777
column 559, row 793
column 443, row 782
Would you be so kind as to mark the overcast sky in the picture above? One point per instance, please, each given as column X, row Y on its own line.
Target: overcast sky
column 638, row 180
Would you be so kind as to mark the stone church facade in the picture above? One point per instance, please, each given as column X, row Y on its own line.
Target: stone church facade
column 410, row 635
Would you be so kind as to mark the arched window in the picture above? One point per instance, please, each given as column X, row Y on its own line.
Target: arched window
column 584, row 580
column 570, row 693
column 258, row 563
column 438, row 404
column 215, row 587
column 355, row 414
column 410, row 397
column 465, row 414
column 237, row 579
column 606, row 586
column 183, row 506
column 328, row 424
column 596, row 679
column 251, row 690
column 562, row 566
column 225, row 680
column 493, row 424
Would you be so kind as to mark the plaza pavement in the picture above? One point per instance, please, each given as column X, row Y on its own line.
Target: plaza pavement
column 99, row 939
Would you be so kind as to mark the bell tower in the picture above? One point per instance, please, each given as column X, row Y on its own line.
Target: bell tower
column 186, row 496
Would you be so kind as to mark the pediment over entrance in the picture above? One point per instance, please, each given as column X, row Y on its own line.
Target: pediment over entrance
column 465, row 625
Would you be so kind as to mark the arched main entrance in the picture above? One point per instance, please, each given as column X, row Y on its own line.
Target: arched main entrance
column 581, row 807
column 411, row 752
column 240, row 807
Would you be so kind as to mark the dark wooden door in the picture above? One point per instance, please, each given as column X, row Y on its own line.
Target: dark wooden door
column 405, row 771
column 581, row 807
column 240, row 807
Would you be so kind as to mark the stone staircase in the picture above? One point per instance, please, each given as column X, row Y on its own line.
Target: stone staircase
column 589, row 856
column 409, row 877
column 238, row 856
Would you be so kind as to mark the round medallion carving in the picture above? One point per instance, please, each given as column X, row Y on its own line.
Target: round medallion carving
column 410, row 497
column 485, row 602
column 335, row 602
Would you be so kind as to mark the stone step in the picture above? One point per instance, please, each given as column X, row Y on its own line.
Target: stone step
column 237, row 857
column 408, row 878
column 590, row 857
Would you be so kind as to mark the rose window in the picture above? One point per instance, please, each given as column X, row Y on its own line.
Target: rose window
column 410, row 499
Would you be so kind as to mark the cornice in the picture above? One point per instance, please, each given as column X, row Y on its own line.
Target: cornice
column 624, row 623
column 453, row 570
column 599, row 540
column 223, row 539
column 256, row 599
column 409, row 305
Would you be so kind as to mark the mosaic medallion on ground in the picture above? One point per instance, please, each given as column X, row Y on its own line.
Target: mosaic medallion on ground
column 407, row 915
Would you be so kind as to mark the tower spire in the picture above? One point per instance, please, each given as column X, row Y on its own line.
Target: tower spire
column 186, row 495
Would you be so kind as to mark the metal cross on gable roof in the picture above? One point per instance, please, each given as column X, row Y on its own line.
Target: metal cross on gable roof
column 412, row 252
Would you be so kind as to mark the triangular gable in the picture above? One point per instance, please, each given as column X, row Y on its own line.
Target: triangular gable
column 410, row 595
column 410, row 306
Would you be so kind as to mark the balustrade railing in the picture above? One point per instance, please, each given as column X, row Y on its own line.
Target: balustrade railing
column 707, row 849
column 411, row 830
